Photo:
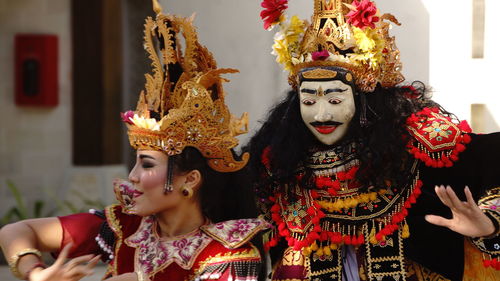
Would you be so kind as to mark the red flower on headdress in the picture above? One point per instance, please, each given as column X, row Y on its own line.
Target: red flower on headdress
column 363, row 14
column 322, row 55
column 273, row 9
column 127, row 117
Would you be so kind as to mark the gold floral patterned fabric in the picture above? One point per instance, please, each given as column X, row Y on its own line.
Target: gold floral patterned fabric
column 191, row 256
column 416, row 272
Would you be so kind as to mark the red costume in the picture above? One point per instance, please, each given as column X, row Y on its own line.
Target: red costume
column 220, row 251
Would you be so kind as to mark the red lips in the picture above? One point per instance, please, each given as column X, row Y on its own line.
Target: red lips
column 325, row 130
column 137, row 193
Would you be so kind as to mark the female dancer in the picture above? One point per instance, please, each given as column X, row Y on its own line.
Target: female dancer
column 173, row 220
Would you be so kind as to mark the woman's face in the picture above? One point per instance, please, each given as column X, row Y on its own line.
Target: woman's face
column 148, row 178
column 327, row 108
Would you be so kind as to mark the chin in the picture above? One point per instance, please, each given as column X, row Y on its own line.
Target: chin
column 137, row 210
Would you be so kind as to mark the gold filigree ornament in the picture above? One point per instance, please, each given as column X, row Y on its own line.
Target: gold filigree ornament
column 185, row 96
column 343, row 33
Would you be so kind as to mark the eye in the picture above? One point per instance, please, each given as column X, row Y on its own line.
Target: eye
column 147, row 165
column 308, row 102
column 334, row 101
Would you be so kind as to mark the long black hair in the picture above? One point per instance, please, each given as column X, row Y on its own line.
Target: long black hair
column 378, row 127
column 220, row 195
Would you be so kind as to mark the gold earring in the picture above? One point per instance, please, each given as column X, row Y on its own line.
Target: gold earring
column 187, row 191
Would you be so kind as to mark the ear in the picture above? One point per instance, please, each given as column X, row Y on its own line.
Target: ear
column 193, row 179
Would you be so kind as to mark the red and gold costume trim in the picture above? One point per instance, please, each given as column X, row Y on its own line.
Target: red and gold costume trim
column 317, row 222
column 437, row 139
column 234, row 234
column 187, row 257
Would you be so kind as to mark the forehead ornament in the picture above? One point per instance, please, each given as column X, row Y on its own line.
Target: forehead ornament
column 319, row 74
column 348, row 77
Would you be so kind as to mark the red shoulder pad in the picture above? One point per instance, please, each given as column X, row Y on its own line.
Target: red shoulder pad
column 437, row 140
column 122, row 223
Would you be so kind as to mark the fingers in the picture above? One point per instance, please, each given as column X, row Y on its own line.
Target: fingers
column 93, row 262
column 76, row 269
column 469, row 197
column 63, row 255
column 443, row 195
column 438, row 220
column 79, row 272
column 450, row 199
column 456, row 203
column 79, row 260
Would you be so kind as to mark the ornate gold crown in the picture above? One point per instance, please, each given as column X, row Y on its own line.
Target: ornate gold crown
column 185, row 96
column 344, row 33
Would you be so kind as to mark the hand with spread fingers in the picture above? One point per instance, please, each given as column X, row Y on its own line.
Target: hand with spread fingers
column 467, row 218
column 74, row 269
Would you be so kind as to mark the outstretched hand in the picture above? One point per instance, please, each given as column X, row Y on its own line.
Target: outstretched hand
column 467, row 219
column 73, row 270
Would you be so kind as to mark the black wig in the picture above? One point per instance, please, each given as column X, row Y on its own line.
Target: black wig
column 379, row 127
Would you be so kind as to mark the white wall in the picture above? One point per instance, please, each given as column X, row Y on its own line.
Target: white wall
column 35, row 144
column 459, row 80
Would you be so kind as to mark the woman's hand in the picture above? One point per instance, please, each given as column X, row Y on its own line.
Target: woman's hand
column 73, row 270
column 467, row 219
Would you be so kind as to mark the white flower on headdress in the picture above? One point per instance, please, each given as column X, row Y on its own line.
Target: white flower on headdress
column 338, row 58
column 286, row 42
column 146, row 123
column 370, row 44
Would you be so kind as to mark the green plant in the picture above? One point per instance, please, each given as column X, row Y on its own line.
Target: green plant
column 87, row 203
column 21, row 211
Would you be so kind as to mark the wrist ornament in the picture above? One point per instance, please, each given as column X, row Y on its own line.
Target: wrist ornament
column 14, row 260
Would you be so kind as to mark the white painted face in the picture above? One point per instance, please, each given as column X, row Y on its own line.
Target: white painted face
column 327, row 108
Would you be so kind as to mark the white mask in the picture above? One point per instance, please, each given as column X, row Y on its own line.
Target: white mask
column 327, row 108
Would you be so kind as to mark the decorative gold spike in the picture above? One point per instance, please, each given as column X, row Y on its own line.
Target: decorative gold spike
column 156, row 7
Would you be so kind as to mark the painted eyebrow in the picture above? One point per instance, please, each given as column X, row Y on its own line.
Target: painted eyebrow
column 328, row 91
column 143, row 156
column 336, row 90
column 308, row 91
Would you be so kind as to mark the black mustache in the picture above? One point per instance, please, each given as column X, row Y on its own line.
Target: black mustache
column 327, row 123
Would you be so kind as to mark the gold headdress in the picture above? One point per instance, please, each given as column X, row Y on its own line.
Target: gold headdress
column 343, row 33
column 183, row 102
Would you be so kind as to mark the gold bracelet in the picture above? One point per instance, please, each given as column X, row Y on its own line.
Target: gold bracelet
column 14, row 260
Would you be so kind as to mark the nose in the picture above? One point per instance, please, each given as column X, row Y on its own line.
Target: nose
column 132, row 176
column 323, row 115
